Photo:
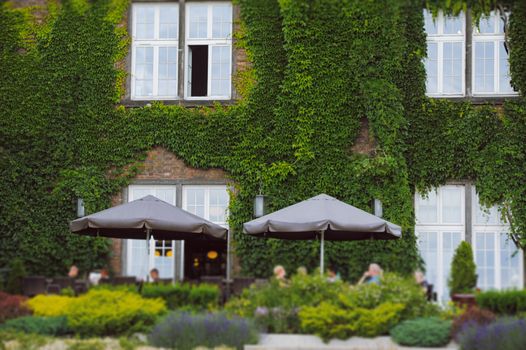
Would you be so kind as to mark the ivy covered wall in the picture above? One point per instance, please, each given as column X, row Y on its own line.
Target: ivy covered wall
column 321, row 71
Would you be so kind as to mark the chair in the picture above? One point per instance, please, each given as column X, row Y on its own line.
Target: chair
column 34, row 285
column 430, row 295
column 80, row 287
column 53, row 288
column 64, row 282
column 241, row 283
column 122, row 280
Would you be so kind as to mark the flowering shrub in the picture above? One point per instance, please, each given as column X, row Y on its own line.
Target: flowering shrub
column 332, row 321
column 185, row 296
column 473, row 315
column 49, row 305
column 185, row 331
column 422, row 332
column 503, row 334
column 12, row 306
column 54, row 326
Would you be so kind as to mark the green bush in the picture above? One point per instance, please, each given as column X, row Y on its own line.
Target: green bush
column 54, row 326
column 104, row 312
column 463, row 277
column 185, row 296
column 422, row 332
column 332, row 321
column 275, row 307
column 510, row 302
column 16, row 274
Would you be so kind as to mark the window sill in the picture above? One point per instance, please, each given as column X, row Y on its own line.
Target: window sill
column 186, row 103
column 494, row 99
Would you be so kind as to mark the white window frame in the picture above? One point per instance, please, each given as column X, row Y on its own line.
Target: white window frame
column 210, row 42
column 154, row 43
column 439, row 228
column 497, row 38
column 151, row 256
column 206, row 189
column 440, row 38
column 497, row 229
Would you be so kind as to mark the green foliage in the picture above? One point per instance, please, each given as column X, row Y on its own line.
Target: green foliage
column 321, row 72
column 98, row 313
column 101, row 312
column 509, row 302
column 422, row 332
column 463, row 277
column 185, row 296
column 331, row 321
column 53, row 326
column 16, row 274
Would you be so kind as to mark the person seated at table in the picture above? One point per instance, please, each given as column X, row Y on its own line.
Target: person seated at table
column 154, row 275
column 104, row 274
column 421, row 280
column 372, row 275
column 73, row 272
column 332, row 275
column 279, row 275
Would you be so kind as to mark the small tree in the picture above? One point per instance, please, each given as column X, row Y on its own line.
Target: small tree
column 16, row 274
column 463, row 277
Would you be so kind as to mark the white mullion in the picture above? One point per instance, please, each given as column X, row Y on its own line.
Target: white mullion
column 440, row 263
column 496, row 264
column 156, row 22
column 209, row 21
column 206, row 203
column 155, row 82
column 209, row 68
column 440, row 70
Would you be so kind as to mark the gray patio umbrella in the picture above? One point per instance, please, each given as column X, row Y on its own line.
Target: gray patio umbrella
column 146, row 217
column 322, row 217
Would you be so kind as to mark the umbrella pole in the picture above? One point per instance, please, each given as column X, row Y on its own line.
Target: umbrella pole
column 322, row 248
column 148, row 254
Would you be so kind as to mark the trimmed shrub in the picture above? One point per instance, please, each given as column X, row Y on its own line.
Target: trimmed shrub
column 16, row 274
column 473, row 315
column 331, row 321
column 185, row 296
column 12, row 306
column 503, row 334
column 104, row 312
column 184, row 331
column 422, row 332
column 463, row 277
column 54, row 326
column 49, row 305
column 510, row 302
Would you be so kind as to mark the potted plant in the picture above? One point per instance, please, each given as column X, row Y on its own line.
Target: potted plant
column 463, row 279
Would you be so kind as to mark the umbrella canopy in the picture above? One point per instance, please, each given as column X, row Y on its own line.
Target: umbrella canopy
column 338, row 220
column 147, row 216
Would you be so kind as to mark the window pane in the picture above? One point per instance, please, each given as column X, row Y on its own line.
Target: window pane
column 195, row 201
column 198, row 21
column 454, row 25
column 431, row 26
column 487, row 25
column 428, row 247
column 218, row 205
column 509, row 263
column 504, row 70
column 144, row 71
column 221, row 21
column 220, row 71
column 427, row 208
column 452, row 67
column 168, row 26
column 451, row 205
column 485, row 258
column 168, row 71
column 484, row 63
column 431, row 64
column 144, row 22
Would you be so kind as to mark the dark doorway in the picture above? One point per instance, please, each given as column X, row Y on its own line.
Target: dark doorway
column 206, row 258
column 198, row 70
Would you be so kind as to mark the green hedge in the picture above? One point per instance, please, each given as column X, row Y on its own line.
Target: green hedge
column 185, row 296
column 509, row 302
column 54, row 326
column 422, row 332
